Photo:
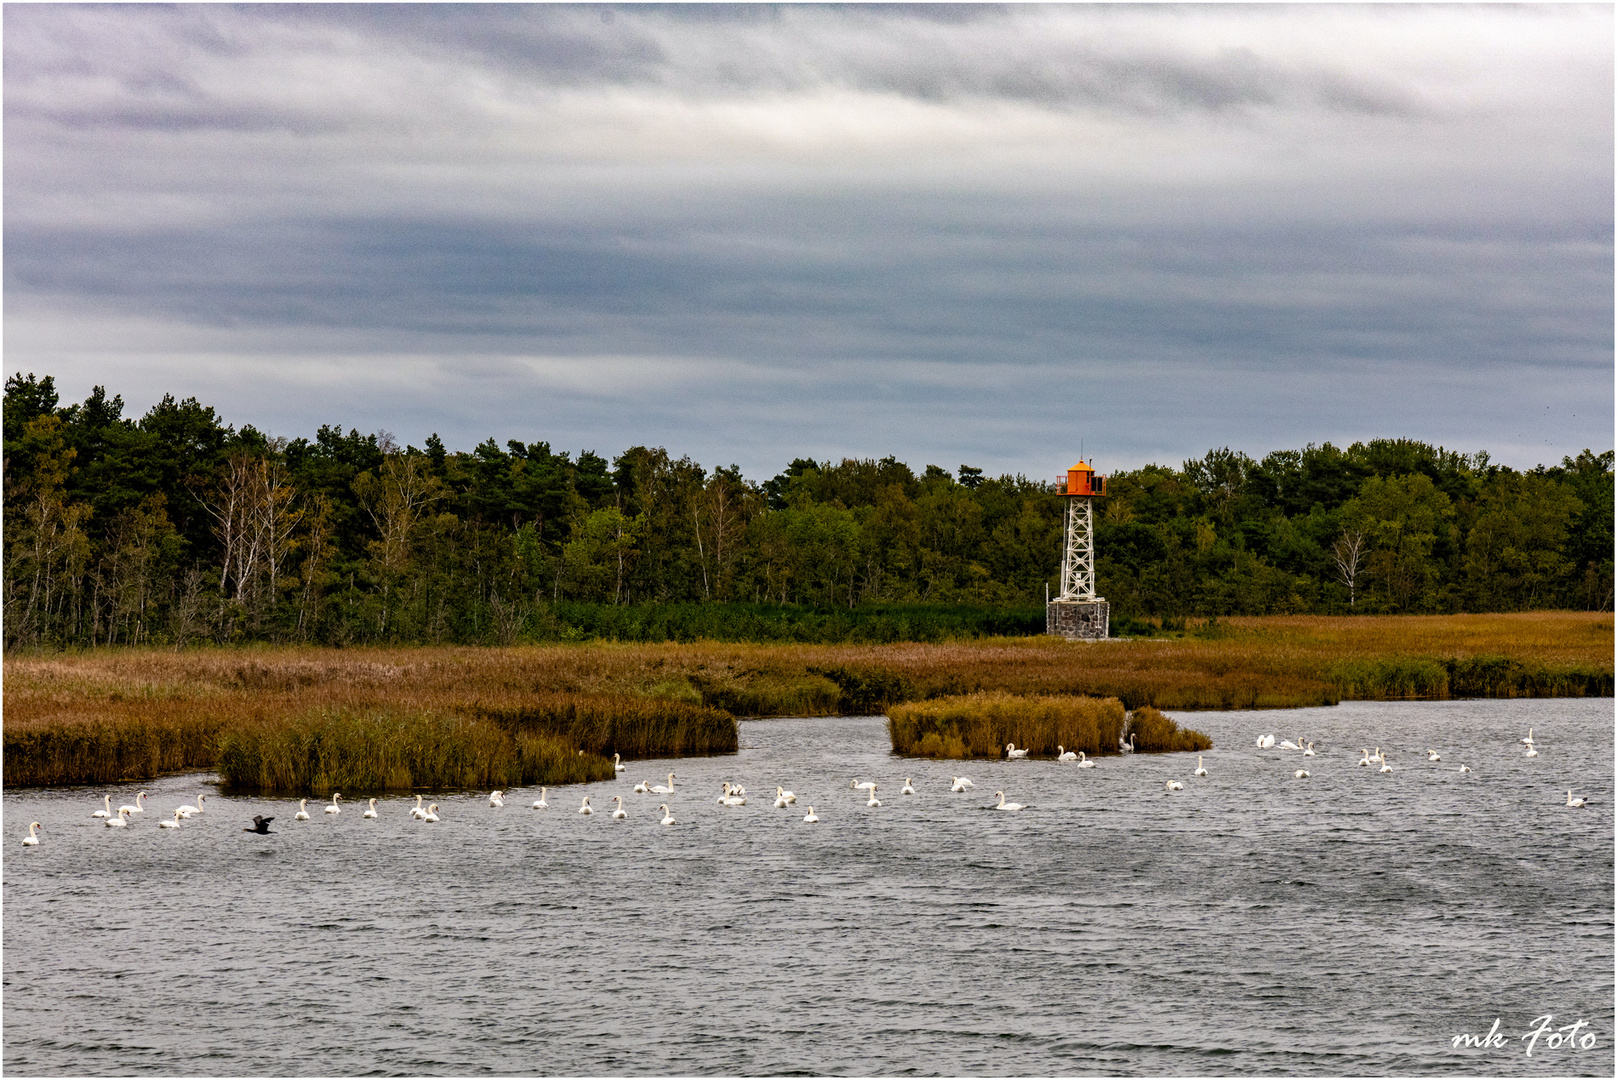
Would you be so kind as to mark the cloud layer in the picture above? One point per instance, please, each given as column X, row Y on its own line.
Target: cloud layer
column 951, row 234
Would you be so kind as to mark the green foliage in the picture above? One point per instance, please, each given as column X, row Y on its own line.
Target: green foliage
column 174, row 527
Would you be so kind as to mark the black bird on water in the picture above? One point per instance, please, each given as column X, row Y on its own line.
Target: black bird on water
column 260, row 824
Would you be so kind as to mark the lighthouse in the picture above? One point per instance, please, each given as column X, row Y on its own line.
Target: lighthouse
column 1077, row 612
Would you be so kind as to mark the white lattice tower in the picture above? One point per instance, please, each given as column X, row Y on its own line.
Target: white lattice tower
column 1078, row 558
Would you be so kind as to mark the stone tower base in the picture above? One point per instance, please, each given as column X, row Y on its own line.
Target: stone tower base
column 1086, row 620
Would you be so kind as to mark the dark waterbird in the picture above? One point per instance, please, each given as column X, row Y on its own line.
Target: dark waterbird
column 260, row 824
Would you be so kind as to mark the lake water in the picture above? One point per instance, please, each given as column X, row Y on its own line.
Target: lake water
column 1253, row 923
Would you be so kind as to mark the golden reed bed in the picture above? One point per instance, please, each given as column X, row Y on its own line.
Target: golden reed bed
column 181, row 704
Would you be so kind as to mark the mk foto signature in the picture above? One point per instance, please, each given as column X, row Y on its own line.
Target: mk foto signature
column 1566, row 1037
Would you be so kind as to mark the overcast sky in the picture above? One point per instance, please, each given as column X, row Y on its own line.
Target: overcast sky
column 954, row 235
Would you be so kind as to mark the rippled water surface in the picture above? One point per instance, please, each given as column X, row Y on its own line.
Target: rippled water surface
column 1353, row 922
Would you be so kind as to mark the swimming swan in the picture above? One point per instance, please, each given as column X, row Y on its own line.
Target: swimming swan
column 1431, row 755
column 187, row 811
column 1532, row 751
column 303, row 811
column 539, row 803
column 643, row 788
column 175, row 824
column 1465, row 768
column 863, row 785
column 1003, row 805
column 137, row 808
column 334, row 808
column 1063, row 754
column 782, row 793
column 908, row 788
column 33, row 841
column 729, row 798
column 1287, row 744
column 872, row 801
column 620, row 813
column 1310, row 751
column 811, row 817
column 431, row 814
column 1384, row 766
column 661, row 790
column 1174, row 785
column 1529, row 739
column 962, row 784
column 1570, row 801
column 1199, row 770
column 416, row 811
column 107, row 812
column 371, row 811
column 120, row 821
column 1365, row 760
column 1012, row 753
column 1301, row 774
column 668, row 815
column 617, row 764
column 586, row 809
column 1084, row 762
column 497, row 799
column 1266, row 742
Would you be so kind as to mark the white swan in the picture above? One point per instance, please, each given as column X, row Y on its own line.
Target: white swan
column 962, row 784
column 586, row 808
column 617, row 764
column 1003, row 805
column 120, row 821
column 137, row 808
column 1084, row 762
column 1529, row 740
column 107, row 811
column 872, row 801
column 1063, row 754
column 301, row 815
column 334, row 808
column 416, row 811
column 737, row 789
column 1465, row 768
column 1128, row 747
column 497, row 799
column 782, row 793
column 863, row 785
column 620, row 813
column 1200, row 771
column 432, row 812
column 1365, row 760
column 908, row 788
column 33, row 841
column 780, row 800
column 811, row 817
column 1301, row 774
column 668, row 815
column 187, row 811
column 729, row 798
column 1310, row 751
column 370, row 811
column 1287, row 744
column 1378, row 756
column 1532, row 751
column 1012, row 753
column 1385, row 767
column 539, row 803
column 643, row 788
column 1570, row 801
column 1174, row 785
column 668, row 790
column 1266, row 742
column 175, row 824
column 1431, row 755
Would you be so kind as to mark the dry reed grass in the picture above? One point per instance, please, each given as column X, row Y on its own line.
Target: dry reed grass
column 980, row 725
column 1153, row 733
column 1239, row 663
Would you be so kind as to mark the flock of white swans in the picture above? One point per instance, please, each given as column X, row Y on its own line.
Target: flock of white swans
column 735, row 795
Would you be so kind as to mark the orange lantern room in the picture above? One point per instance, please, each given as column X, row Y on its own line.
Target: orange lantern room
column 1081, row 480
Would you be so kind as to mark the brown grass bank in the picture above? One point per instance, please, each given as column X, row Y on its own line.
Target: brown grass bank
column 104, row 715
column 980, row 725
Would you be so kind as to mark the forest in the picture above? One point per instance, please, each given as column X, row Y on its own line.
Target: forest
column 178, row 528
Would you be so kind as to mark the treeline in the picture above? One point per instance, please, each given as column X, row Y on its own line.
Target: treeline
column 178, row 527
